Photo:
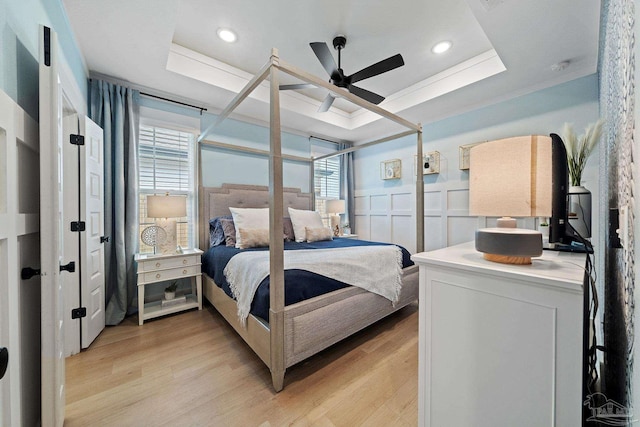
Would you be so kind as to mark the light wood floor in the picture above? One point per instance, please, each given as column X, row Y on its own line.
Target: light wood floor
column 192, row 369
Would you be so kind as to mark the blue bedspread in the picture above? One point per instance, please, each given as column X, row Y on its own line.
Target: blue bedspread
column 299, row 285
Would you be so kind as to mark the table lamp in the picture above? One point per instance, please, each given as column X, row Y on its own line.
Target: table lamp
column 510, row 178
column 166, row 209
column 335, row 207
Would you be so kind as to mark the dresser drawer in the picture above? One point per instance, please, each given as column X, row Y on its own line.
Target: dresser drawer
column 161, row 264
column 173, row 273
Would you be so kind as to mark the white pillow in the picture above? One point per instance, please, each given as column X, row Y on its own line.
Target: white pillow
column 249, row 218
column 302, row 219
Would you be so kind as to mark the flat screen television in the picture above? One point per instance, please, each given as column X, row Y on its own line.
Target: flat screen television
column 562, row 236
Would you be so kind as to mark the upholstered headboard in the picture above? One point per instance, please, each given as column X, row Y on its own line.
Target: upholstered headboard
column 215, row 201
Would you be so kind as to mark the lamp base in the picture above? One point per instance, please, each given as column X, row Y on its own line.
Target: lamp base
column 509, row 245
column 506, row 259
column 170, row 244
column 335, row 225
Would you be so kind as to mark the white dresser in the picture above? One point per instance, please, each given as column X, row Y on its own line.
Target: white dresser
column 499, row 345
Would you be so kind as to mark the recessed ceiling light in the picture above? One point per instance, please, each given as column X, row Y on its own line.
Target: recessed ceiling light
column 441, row 47
column 227, row 35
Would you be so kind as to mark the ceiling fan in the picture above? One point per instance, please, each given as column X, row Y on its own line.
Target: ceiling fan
column 337, row 74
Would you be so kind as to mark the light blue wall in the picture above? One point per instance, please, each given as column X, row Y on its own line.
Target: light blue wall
column 19, row 29
column 221, row 166
column 541, row 113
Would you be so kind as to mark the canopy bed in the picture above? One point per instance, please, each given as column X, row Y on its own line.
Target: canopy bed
column 286, row 335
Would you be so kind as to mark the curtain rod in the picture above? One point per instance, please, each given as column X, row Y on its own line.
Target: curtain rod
column 328, row 140
column 175, row 102
column 143, row 90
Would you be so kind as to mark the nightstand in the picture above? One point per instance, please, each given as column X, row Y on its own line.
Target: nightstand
column 162, row 267
column 349, row 236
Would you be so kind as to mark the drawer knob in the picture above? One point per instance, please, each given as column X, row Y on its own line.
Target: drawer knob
column 184, row 261
column 157, row 264
column 184, row 271
column 158, row 276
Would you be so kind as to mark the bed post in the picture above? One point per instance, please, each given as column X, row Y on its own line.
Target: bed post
column 419, row 195
column 276, row 242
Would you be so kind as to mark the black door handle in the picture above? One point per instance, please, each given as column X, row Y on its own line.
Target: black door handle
column 4, row 361
column 104, row 239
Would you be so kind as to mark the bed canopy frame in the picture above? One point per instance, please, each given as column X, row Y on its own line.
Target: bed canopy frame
column 276, row 210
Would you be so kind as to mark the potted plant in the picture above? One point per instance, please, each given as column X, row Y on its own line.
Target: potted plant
column 170, row 291
column 346, row 229
column 579, row 148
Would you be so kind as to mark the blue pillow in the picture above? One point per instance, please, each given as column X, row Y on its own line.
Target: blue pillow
column 216, row 233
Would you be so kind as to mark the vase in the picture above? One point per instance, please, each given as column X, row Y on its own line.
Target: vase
column 580, row 210
column 168, row 295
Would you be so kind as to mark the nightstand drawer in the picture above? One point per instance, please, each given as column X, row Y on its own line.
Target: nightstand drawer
column 164, row 263
column 173, row 273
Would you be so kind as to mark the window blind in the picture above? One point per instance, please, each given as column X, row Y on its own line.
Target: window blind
column 326, row 183
column 167, row 165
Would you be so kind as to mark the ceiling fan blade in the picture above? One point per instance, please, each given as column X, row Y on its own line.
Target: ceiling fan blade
column 297, row 86
column 326, row 104
column 324, row 56
column 383, row 66
column 374, row 98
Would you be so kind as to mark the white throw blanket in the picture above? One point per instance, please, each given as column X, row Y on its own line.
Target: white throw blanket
column 377, row 269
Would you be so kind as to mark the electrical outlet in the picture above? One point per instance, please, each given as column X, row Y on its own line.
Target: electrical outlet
column 431, row 163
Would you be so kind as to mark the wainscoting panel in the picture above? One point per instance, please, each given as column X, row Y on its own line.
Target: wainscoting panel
column 432, row 201
column 399, row 226
column 458, row 201
column 461, row 229
column 380, row 228
column 388, row 215
column 403, row 202
column 434, row 237
column 379, row 202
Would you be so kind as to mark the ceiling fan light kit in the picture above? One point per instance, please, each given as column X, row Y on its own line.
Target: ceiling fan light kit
column 339, row 79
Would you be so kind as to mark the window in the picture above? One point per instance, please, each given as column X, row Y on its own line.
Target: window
column 326, row 183
column 167, row 165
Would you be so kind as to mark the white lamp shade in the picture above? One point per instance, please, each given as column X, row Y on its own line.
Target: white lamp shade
column 511, row 177
column 335, row 206
column 166, row 206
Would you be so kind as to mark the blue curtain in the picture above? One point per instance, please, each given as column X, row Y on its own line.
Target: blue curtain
column 347, row 189
column 112, row 107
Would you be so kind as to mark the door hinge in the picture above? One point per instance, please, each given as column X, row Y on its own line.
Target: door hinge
column 78, row 313
column 71, row 267
column 28, row 272
column 78, row 226
column 47, row 46
column 4, row 361
column 76, row 139
column 104, row 239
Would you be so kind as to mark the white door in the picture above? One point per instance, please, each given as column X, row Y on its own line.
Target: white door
column 19, row 322
column 83, row 203
column 92, row 245
column 51, row 244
